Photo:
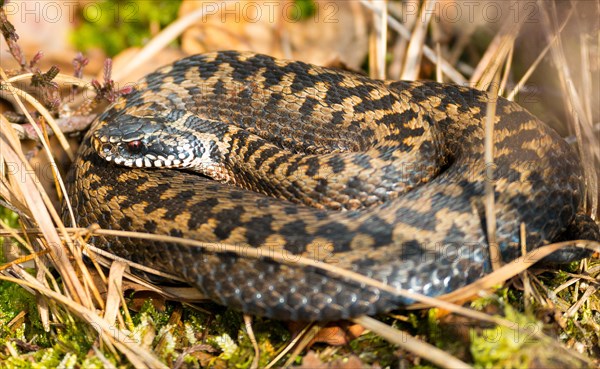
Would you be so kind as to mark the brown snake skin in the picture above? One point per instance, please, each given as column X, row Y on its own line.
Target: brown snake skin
column 384, row 178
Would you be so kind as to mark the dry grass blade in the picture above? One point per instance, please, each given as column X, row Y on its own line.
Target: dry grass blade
column 439, row 74
column 593, row 149
column 250, row 331
column 411, row 344
column 414, row 54
column 96, row 252
column 589, row 292
column 15, row 204
column 289, row 346
column 106, row 259
column 429, row 53
column 524, row 276
column 107, row 364
column 378, row 41
column 496, row 54
column 23, row 259
column 11, row 232
column 303, row 343
column 507, row 66
column 488, row 199
column 113, row 296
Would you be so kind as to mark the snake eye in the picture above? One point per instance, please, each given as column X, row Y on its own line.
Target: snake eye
column 135, row 147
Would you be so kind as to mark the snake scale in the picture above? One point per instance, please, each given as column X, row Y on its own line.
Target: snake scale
column 383, row 178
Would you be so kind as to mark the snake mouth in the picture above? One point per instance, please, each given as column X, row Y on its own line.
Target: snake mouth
column 135, row 154
column 150, row 161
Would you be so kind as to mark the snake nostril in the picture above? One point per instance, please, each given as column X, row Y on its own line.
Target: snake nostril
column 107, row 148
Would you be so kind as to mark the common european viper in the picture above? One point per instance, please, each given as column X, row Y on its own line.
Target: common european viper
column 384, row 178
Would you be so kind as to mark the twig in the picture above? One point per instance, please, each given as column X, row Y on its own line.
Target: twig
column 71, row 124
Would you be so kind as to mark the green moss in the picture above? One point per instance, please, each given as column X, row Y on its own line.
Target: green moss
column 148, row 310
column 14, row 300
column 227, row 333
column 9, row 217
column 302, row 9
column 507, row 347
column 66, row 345
column 12, row 219
column 116, row 25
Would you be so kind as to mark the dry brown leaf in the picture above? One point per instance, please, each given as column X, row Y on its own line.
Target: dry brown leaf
column 141, row 296
column 334, row 334
column 336, row 32
column 311, row 360
column 234, row 25
column 115, row 286
column 207, row 359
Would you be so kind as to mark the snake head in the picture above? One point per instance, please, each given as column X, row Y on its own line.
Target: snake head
column 168, row 140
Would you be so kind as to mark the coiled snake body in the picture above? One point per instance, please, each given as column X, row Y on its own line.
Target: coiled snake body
column 379, row 177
